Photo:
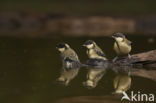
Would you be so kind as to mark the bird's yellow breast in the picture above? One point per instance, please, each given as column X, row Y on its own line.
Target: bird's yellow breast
column 92, row 54
column 124, row 48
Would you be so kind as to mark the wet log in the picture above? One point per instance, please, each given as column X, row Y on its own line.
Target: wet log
column 148, row 59
column 146, row 56
column 145, row 59
column 141, row 65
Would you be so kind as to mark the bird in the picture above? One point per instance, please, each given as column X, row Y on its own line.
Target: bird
column 97, row 64
column 121, row 83
column 70, row 63
column 122, row 46
column 93, row 50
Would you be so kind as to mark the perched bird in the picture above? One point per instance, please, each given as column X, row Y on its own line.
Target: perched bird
column 70, row 61
column 122, row 83
column 122, row 46
column 93, row 50
column 97, row 64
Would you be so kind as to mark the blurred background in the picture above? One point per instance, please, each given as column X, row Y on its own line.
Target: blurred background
column 35, row 18
column 30, row 30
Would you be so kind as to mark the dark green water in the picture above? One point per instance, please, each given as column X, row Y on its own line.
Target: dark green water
column 29, row 68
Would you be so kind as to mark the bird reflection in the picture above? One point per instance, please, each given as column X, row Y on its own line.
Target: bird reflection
column 93, row 77
column 122, row 80
column 96, row 70
column 123, row 66
column 67, row 75
column 121, row 83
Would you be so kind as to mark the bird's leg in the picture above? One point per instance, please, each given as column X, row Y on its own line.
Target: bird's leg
column 129, row 56
column 114, row 60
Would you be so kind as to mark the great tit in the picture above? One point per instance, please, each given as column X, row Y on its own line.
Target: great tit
column 122, row 45
column 70, row 61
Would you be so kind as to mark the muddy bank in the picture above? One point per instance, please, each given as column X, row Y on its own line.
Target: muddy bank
column 30, row 24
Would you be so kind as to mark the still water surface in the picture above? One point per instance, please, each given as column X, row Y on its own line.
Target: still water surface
column 29, row 68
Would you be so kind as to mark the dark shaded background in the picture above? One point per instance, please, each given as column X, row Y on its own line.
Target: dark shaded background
column 35, row 18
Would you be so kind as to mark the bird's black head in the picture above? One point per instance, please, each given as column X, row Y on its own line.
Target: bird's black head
column 118, row 35
column 88, row 42
column 62, row 46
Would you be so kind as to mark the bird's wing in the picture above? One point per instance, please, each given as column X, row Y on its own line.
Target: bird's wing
column 99, row 52
column 72, row 59
column 70, row 54
column 73, row 56
column 128, row 42
column 72, row 63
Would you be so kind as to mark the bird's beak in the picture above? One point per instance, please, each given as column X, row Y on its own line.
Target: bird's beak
column 84, row 45
column 57, row 48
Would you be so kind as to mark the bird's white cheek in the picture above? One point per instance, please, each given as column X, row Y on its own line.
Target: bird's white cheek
column 90, row 46
column 61, row 49
column 119, row 39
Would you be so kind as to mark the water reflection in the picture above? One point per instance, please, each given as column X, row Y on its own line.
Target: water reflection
column 29, row 68
column 96, row 69
column 121, row 83
column 93, row 77
column 122, row 80
column 67, row 75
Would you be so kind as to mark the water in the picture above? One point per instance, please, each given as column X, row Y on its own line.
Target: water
column 29, row 68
